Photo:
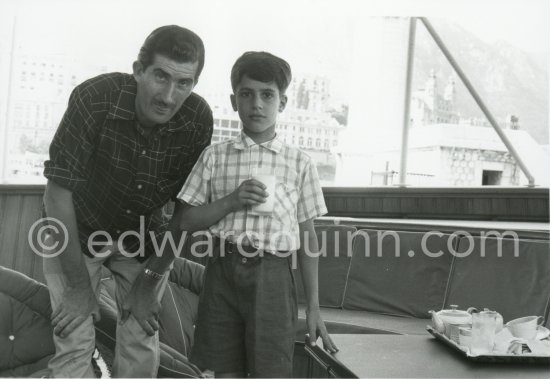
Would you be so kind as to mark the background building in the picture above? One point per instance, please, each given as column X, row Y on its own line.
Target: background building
column 430, row 105
column 36, row 101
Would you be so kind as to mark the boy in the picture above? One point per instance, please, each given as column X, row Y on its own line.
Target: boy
column 248, row 311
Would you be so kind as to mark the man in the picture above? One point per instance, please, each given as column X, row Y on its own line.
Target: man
column 123, row 149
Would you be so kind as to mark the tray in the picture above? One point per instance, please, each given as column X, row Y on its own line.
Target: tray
column 498, row 358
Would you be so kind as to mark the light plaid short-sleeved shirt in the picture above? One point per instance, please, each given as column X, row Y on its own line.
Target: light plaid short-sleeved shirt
column 224, row 166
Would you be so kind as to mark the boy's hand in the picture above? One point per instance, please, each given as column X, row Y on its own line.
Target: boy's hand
column 250, row 192
column 316, row 328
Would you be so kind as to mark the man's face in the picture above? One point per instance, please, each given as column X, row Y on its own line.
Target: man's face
column 258, row 104
column 162, row 88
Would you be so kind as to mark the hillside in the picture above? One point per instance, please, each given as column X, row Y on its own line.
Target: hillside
column 509, row 80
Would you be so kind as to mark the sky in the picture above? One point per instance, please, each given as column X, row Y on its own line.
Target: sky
column 315, row 36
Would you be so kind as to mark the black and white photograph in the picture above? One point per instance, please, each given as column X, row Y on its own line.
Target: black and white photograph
column 274, row 189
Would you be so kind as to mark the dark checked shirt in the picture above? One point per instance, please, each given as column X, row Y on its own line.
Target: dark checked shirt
column 115, row 171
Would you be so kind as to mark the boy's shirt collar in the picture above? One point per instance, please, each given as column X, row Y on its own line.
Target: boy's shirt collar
column 243, row 142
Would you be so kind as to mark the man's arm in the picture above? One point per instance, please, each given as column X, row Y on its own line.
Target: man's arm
column 308, row 257
column 142, row 300
column 79, row 300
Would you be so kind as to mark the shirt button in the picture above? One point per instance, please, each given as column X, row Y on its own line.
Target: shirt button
column 11, row 338
column 139, row 186
column 128, row 211
column 243, row 260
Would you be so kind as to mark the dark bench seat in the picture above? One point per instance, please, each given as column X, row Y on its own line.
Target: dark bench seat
column 372, row 283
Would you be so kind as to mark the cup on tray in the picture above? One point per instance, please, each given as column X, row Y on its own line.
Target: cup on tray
column 465, row 336
column 525, row 327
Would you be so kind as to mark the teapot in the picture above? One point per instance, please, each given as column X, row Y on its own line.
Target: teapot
column 499, row 320
column 448, row 321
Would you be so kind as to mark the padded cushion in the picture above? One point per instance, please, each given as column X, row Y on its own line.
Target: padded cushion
column 515, row 286
column 176, row 365
column 180, row 305
column 25, row 330
column 37, row 369
column 335, row 245
column 393, row 282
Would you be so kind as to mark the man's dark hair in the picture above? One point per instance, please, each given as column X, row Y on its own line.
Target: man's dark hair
column 263, row 67
column 173, row 42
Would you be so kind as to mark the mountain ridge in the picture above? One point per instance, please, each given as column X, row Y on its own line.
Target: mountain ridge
column 509, row 80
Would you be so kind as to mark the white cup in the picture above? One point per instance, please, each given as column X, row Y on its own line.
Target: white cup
column 525, row 327
column 464, row 336
column 269, row 180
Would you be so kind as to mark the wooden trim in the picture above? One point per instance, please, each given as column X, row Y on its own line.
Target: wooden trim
column 468, row 203
column 22, row 189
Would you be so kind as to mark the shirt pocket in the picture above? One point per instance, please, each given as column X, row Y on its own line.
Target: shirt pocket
column 286, row 201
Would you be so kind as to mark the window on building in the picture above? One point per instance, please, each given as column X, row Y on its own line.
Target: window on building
column 491, row 178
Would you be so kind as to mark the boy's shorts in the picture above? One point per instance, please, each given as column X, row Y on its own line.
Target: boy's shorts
column 247, row 315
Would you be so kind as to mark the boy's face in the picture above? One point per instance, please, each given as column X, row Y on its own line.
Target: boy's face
column 162, row 88
column 258, row 104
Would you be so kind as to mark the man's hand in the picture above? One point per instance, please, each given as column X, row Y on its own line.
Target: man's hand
column 142, row 303
column 249, row 192
column 316, row 328
column 76, row 306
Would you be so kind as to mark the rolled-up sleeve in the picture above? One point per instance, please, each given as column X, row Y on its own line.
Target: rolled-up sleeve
column 73, row 144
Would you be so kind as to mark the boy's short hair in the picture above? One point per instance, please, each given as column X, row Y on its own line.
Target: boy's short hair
column 173, row 42
column 263, row 67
